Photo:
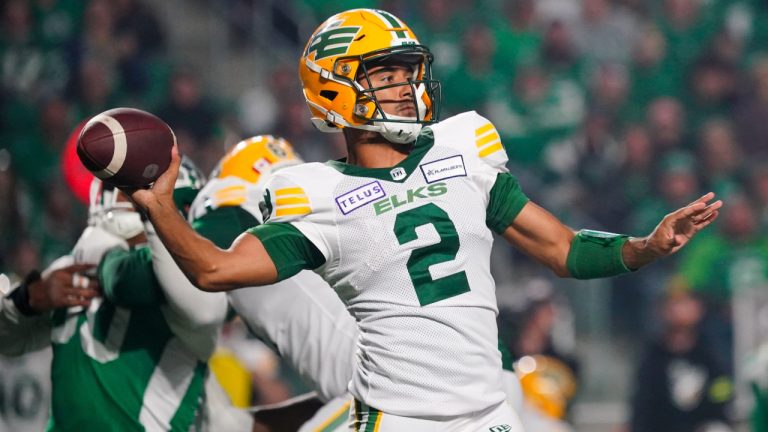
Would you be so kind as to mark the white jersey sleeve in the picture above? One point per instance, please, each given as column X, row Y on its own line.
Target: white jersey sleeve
column 195, row 316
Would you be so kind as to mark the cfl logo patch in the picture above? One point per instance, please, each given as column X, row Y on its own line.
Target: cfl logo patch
column 397, row 173
column 500, row 428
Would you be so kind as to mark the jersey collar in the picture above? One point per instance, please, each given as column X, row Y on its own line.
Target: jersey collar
column 423, row 143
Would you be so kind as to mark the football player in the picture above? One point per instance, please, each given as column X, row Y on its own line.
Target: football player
column 402, row 231
column 134, row 358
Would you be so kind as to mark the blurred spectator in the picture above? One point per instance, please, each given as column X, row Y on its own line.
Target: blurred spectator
column 194, row 118
column 140, row 39
column 97, row 90
column 474, row 79
column 536, row 111
column 687, row 28
column 605, row 32
column 558, row 53
column 666, row 122
column 35, row 155
column 97, row 43
column 440, row 27
column 653, row 76
column 751, row 114
column 582, row 164
column 680, row 385
column 58, row 22
column 22, row 59
column 713, row 86
column 609, row 92
column 721, row 157
column 758, row 190
column 517, row 35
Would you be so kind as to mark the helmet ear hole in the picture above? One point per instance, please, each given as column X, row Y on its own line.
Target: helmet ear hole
column 329, row 94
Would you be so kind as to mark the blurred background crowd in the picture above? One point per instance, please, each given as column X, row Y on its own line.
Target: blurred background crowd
column 613, row 113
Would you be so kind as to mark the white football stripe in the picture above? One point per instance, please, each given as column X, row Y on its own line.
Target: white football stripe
column 121, row 146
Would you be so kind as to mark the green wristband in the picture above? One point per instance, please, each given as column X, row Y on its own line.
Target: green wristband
column 596, row 254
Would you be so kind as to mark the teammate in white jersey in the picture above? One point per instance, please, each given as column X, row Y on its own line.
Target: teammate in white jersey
column 402, row 231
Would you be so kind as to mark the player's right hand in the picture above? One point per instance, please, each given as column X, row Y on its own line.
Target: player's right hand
column 161, row 191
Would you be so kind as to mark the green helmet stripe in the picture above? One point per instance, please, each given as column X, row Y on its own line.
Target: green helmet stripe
column 394, row 23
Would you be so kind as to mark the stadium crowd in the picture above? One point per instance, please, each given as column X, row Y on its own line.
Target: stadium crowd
column 621, row 110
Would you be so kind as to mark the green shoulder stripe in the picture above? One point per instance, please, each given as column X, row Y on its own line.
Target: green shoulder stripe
column 289, row 249
column 506, row 201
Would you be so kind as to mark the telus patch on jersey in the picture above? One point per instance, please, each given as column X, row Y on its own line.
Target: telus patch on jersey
column 359, row 197
column 444, row 169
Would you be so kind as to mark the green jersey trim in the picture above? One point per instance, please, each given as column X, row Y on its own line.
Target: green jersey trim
column 507, row 361
column 290, row 250
column 128, row 280
column 224, row 224
column 185, row 414
column 506, row 202
column 423, row 143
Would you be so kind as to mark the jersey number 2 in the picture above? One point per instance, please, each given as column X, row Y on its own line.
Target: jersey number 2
column 430, row 290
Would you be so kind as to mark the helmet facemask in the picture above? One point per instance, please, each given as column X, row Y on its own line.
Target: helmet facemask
column 107, row 211
column 335, row 68
column 425, row 92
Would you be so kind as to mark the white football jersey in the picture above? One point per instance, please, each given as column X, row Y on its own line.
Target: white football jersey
column 301, row 317
column 408, row 249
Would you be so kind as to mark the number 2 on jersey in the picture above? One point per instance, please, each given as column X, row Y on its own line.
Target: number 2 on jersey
column 430, row 290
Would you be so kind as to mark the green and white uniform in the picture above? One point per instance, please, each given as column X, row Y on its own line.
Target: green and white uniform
column 408, row 251
column 118, row 366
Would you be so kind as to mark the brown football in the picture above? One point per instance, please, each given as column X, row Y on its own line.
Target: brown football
column 126, row 147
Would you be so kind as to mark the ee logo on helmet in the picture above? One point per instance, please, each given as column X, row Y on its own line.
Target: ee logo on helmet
column 333, row 41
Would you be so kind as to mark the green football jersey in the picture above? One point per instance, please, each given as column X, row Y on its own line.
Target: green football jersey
column 117, row 366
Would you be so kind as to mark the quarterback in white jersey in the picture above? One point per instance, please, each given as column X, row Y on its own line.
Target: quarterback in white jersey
column 402, row 230
column 373, row 229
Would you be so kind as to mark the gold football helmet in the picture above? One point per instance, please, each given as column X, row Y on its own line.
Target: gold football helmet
column 340, row 53
column 547, row 383
column 252, row 158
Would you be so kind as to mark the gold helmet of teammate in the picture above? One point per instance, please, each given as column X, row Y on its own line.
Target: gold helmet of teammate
column 253, row 158
column 548, row 384
column 340, row 53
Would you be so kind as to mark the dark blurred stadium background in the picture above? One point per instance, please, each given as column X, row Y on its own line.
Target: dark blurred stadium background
column 613, row 113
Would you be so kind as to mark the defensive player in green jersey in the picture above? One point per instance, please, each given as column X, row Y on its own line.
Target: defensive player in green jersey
column 134, row 358
column 402, row 230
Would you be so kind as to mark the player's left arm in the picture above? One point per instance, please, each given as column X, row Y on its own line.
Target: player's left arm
column 583, row 254
column 590, row 254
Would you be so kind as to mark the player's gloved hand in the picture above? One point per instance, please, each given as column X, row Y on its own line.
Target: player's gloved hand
column 94, row 243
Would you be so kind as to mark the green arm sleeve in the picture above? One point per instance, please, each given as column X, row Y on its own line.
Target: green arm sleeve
column 223, row 225
column 506, row 201
column 289, row 249
column 596, row 254
column 127, row 278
